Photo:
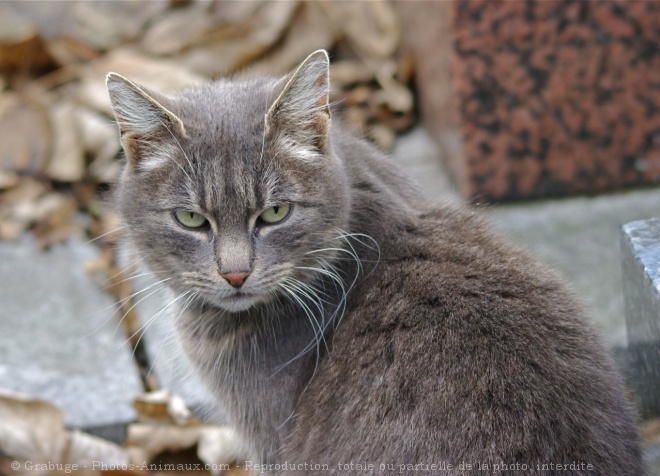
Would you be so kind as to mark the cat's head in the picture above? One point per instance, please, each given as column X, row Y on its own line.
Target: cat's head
column 231, row 191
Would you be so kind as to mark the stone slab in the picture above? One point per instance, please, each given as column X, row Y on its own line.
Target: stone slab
column 577, row 236
column 59, row 340
column 640, row 249
column 640, row 252
column 580, row 238
column 537, row 99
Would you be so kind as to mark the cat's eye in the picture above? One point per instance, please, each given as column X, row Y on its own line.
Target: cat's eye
column 190, row 219
column 275, row 214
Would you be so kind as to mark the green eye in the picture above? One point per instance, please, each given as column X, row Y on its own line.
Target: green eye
column 275, row 214
column 190, row 219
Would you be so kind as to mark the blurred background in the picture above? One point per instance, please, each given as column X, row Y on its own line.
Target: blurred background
column 543, row 114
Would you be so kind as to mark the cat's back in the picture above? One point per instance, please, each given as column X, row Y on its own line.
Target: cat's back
column 457, row 340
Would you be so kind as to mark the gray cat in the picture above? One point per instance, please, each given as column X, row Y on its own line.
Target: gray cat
column 344, row 324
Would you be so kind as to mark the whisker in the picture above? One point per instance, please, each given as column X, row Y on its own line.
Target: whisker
column 105, row 234
column 140, row 300
column 170, row 328
column 146, row 325
column 181, row 149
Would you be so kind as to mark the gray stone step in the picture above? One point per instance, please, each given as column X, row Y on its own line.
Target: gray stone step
column 640, row 250
column 577, row 236
column 59, row 339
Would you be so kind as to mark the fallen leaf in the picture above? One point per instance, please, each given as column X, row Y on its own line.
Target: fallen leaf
column 159, row 74
column 178, row 30
column 219, row 445
column 17, row 207
column 372, row 28
column 21, row 47
column 237, row 45
column 25, row 135
column 348, row 73
column 31, row 429
column 161, row 405
column 100, row 141
column 147, row 440
column 8, row 179
column 86, row 450
column 310, row 29
column 67, row 161
column 99, row 25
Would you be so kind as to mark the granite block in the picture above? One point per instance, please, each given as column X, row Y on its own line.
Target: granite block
column 58, row 337
column 540, row 98
column 640, row 250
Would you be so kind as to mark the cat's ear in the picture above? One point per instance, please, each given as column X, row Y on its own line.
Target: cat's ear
column 142, row 118
column 302, row 107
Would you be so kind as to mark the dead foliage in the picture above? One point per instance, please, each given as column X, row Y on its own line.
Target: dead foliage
column 56, row 128
column 60, row 148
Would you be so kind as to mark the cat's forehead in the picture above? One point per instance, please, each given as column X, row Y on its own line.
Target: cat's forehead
column 231, row 102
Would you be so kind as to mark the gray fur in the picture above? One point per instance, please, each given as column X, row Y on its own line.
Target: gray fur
column 417, row 336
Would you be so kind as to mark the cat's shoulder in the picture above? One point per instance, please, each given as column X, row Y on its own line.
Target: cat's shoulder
column 447, row 267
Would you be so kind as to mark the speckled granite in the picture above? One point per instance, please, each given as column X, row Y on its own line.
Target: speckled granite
column 640, row 251
column 551, row 98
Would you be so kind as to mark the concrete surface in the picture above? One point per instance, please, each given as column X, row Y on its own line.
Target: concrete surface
column 577, row 236
column 58, row 339
column 58, row 336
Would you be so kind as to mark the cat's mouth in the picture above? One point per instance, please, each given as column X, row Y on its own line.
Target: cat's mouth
column 239, row 301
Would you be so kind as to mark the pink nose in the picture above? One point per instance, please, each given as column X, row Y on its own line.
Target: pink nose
column 236, row 279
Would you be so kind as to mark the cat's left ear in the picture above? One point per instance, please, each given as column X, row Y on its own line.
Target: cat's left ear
column 302, row 108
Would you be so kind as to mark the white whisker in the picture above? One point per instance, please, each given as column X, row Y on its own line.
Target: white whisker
column 105, row 234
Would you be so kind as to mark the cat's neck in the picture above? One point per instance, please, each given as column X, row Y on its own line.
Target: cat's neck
column 383, row 200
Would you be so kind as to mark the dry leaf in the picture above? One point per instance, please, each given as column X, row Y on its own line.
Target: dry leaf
column 85, row 449
column 234, row 47
column 147, row 440
column 8, row 179
column 24, row 134
column 178, row 30
column 17, row 207
column 54, row 218
column 348, row 73
column 382, row 136
column 650, row 431
column 161, row 405
column 309, row 30
column 371, row 28
column 219, row 445
column 67, row 161
column 31, row 429
column 99, row 25
column 68, row 51
column 100, row 141
column 21, row 47
column 161, row 75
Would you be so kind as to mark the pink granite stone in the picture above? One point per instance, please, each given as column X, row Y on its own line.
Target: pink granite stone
column 540, row 98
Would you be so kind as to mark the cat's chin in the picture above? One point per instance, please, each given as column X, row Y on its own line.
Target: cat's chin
column 238, row 303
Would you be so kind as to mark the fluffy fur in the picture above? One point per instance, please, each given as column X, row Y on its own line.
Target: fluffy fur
column 373, row 328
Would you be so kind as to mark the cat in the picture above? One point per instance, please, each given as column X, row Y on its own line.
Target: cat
column 343, row 323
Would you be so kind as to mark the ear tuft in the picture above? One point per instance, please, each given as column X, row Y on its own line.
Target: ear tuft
column 146, row 127
column 138, row 111
column 303, row 105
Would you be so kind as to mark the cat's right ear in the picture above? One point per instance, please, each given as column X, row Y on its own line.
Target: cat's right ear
column 142, row 118
column 302, row 108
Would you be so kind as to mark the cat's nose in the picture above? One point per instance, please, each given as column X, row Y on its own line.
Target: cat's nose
column 236, row 279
